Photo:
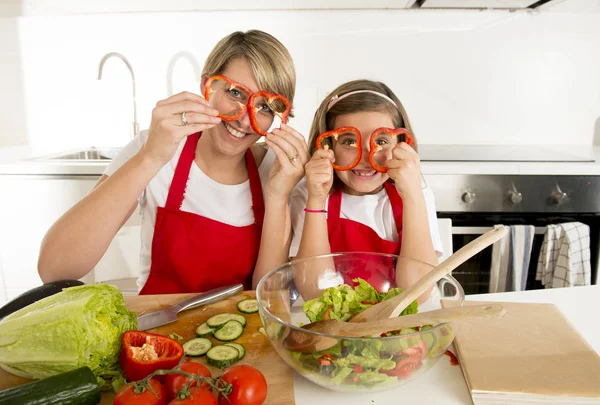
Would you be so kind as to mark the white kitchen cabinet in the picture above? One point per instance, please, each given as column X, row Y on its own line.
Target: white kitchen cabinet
column 29, row 206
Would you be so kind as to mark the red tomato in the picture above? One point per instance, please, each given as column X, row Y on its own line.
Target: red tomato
column 418, row 350
column 127, row 396
column 175, row 381
column 405, row 367
column 249, row 386
column 199, row 396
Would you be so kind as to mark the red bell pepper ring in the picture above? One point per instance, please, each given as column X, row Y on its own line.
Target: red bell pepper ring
column 335, row 133
column 374, row 148
column 143, row 353
column 208, row 91
column 270, row 97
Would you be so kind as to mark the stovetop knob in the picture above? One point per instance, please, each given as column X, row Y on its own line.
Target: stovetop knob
column 558, row 197
column 515, row 197
column 469, row 197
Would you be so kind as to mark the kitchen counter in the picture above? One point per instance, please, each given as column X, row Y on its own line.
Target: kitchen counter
column 17, row 161
column 444, row 384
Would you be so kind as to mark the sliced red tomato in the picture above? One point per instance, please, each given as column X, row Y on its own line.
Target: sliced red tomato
column 175, row 382
column 405, row 367
column 249, row 386
column 198, row 396
column 453, row 359
column 417, row 350
column 155, row 396
column 358, row 368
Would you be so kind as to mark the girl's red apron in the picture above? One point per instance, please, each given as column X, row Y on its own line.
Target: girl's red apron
column 191, row 253
column 346, row 235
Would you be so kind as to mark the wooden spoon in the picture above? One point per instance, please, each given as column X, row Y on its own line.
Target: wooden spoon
column 308, row 343
column 394, row 306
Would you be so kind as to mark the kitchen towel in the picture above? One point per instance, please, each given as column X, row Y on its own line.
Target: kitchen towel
column 510, row 259
column 565, row 256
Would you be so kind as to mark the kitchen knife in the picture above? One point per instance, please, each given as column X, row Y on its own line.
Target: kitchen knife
column 168, row 315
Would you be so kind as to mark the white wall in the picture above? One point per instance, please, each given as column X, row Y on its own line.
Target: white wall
column 464, row 76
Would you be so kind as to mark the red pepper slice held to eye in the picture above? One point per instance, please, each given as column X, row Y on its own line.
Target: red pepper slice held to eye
column 374, row 148
column 143, row 353
column 335, row 133
column 270, row 98
column 208, row 91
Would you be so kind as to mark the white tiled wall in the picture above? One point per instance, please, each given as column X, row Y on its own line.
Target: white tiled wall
column 464, row 77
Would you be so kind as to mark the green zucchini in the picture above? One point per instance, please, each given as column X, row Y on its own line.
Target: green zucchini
column 76, row 387
column 248, row 306
column 222, row 356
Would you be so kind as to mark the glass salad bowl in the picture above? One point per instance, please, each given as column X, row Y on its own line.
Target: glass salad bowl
column 305, row 290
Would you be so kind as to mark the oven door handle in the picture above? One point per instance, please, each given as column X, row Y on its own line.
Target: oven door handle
column 480, row 230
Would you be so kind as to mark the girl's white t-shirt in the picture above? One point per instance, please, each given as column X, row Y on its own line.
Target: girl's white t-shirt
column 230, row 204
column 373, row 210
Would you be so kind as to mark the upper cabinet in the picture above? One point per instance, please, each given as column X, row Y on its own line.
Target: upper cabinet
column 10, row 8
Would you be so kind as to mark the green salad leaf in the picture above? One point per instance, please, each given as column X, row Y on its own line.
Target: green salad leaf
column 80, row 326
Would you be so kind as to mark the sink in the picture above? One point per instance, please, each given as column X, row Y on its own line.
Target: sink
column 88, row 154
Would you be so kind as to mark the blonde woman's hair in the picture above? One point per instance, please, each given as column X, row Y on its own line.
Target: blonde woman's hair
column 270, row 61
column 325, row 120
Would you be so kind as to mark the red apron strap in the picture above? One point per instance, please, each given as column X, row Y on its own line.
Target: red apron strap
column 182, row 173
column 396, row 202
column 334, row 206
column 258, row 202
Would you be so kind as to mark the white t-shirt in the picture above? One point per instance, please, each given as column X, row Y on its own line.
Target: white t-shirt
column 373, row 210
column 230, row 204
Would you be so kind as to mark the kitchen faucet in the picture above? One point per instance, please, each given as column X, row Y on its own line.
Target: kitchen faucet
column 135, row 126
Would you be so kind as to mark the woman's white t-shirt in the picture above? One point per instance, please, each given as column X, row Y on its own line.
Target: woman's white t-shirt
column 230, row 204
column 373, row 210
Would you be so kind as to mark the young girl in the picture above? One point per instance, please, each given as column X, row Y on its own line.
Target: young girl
column 346, row 205
column 210, row 195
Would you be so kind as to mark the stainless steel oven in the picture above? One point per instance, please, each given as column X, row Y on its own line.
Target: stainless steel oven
column 475, row 203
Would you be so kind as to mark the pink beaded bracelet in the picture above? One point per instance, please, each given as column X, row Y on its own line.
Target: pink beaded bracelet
column 307, row 210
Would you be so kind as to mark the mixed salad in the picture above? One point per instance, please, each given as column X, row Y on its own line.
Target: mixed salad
column 397, row 355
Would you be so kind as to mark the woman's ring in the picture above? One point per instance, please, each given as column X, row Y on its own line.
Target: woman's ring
column 184, row 120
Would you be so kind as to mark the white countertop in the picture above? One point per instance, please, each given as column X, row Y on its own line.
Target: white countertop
column 17, row 161
column 444, row 384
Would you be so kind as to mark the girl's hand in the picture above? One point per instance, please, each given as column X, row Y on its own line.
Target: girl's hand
column 292, row 154
column 319, row 176
column 167, row 128
column 405, row 170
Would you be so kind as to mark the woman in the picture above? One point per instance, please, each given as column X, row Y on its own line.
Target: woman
column 210, row 195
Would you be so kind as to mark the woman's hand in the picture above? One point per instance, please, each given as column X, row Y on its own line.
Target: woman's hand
column 404, row 168
column 167, row 128
column 319, row 177
column 292, row 154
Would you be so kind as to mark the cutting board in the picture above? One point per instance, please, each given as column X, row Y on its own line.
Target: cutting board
column 259, row 352
column 531, row 354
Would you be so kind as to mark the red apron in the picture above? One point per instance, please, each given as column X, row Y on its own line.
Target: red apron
column 346, row 235
column 191, row 253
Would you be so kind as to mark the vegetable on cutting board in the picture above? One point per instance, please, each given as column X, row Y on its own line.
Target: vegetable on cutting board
column 143, row 353
column 80, row 326
column 76, row 387
column 249, row 306
column 197, row 347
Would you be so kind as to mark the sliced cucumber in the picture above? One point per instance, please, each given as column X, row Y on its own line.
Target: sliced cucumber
column 197, row 347
column 262, row 330
column 248, row 306
column 204, row 330
column 240, row 318
column 222, row 356
column 230, row 331
column 239, row 347
column 217, row 321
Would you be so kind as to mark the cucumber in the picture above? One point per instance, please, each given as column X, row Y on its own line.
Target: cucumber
column 241, row 349
column 217, row 321
column 222, row 356
column 240, row 318
column 204, row 330
column 197, row 347
column 76, row 387
column 248, row 306
column 262, row 330
column 230, row 331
